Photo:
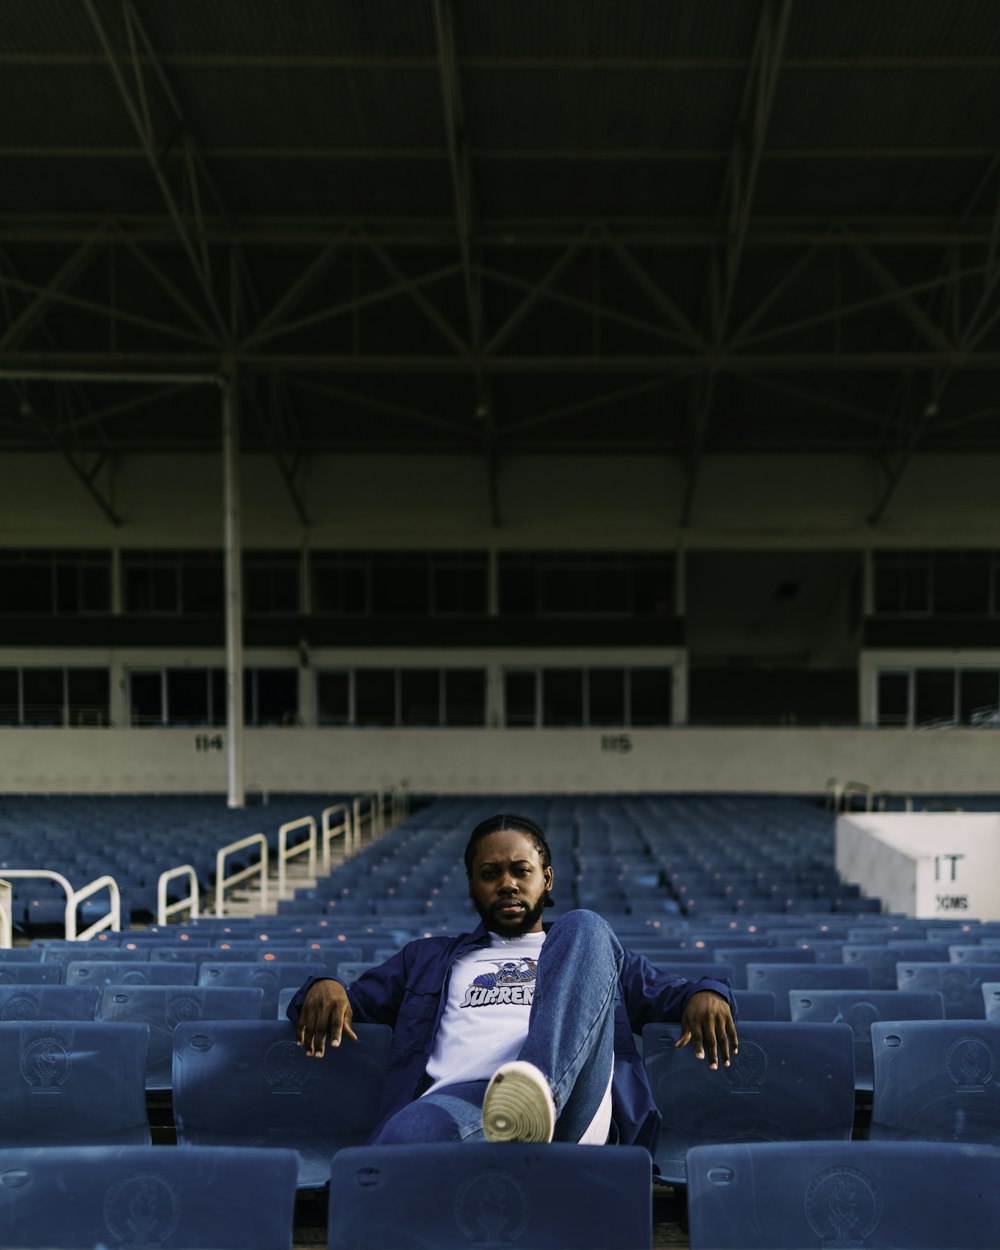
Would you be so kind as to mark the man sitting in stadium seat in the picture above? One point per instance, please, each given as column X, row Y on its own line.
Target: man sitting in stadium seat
column 517, row 1032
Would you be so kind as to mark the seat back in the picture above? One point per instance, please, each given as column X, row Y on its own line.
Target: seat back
column 960, row 985
column 991, row 999
column 459, row 1194
column 936, row 1080
column 755, row 1004
column 740, row 956
column 163, row 1007
column 789, row 1082
column 271, row 978
column 73, row 1083
column 247, row 1083
column 102, row 972
column 48, row 1002
column 860, row 1009
column 894, row 1195
column 134, row 1197
column 30, row 974
column 782, row 979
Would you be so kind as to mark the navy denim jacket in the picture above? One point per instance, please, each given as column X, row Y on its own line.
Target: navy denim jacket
column 409, row 993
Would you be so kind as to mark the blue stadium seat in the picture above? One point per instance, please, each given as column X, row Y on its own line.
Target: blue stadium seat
column 270, row 978
column 247, row 1083
column 454, row 1195
column 73, row 1083
column 755, row 1005
column 102, row 972
column 782, row 979
column 741, row 956
column 860, row 1009
column 789, row 1082
column 163, row 1007
column 889, row 1195
column 48, row 1002
column 960, row 985
column 30, row 974
column 936, row 1080
column 991, row 999
column 136, row 1197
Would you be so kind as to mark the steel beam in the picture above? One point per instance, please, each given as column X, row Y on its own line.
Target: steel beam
column 134, row 110
column 68, row 273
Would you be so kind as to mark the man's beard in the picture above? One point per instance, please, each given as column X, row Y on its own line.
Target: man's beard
column 526, row 921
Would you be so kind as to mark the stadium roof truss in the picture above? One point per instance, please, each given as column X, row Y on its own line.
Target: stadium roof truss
column 593, row 226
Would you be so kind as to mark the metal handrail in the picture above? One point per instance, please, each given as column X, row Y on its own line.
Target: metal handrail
column 306, row 847
column 329, row 831
column 165, row 910
column 374, row 800
column 857, row 787
column 111, row 920
column 257, row 869
column 6, row 916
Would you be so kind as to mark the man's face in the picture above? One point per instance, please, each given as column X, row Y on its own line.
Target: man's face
column 508, row 883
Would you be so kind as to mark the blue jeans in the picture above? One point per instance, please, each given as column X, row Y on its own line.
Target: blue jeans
column 570, row 1039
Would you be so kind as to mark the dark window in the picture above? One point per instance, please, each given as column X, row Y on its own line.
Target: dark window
column 518, row 591
column 145, row 698
column 333, row 698
column 519, row 699
column 420, row 696
column 601, row 583
column 607, row 696
column 340, row 583
column 375, row 696
column 43, row 694
column 458, row 587
column 271, row 582
column 894, row 698
column 10, row 700
column 903, row 584
column 202, row 585
column 978, row 694
column 150, row 587
column 650, row 692
column 653, row 590
column 401, row 586
column 961, row 585
column 934, row 695
column 465, row 696
column 27, row 588
column 88, row 696
column 275, row 697
column 187, row 696
column 562, row 696
column 219, row 712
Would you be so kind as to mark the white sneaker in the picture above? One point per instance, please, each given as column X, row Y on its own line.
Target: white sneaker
column 518, row 1105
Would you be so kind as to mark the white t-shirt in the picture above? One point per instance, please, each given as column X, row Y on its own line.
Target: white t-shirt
column 485, row 1020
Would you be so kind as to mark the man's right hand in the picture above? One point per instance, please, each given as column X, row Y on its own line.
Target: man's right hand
column 326, row 1013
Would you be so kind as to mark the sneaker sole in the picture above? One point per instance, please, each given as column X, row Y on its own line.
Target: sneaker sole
column 517, row 1109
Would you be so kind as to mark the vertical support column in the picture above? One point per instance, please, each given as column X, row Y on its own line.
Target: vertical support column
column 679, row 700
column 234, row 594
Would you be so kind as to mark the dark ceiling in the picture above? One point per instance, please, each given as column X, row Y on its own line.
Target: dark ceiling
column 672, row 227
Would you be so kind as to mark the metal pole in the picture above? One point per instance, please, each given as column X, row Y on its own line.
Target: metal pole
column 234, row 596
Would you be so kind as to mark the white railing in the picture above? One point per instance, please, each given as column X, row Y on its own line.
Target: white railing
column 165, row 910
column 336, row 828
column 399, row 804
column 306, row 847
column 112, row 919
column 258, row 869
column 856, row 787
column 373, row 800
column 6, row 916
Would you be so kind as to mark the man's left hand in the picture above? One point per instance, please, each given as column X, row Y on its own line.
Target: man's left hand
column 708, row 1024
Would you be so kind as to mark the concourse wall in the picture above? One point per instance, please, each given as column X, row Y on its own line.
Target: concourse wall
column 925, row 864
